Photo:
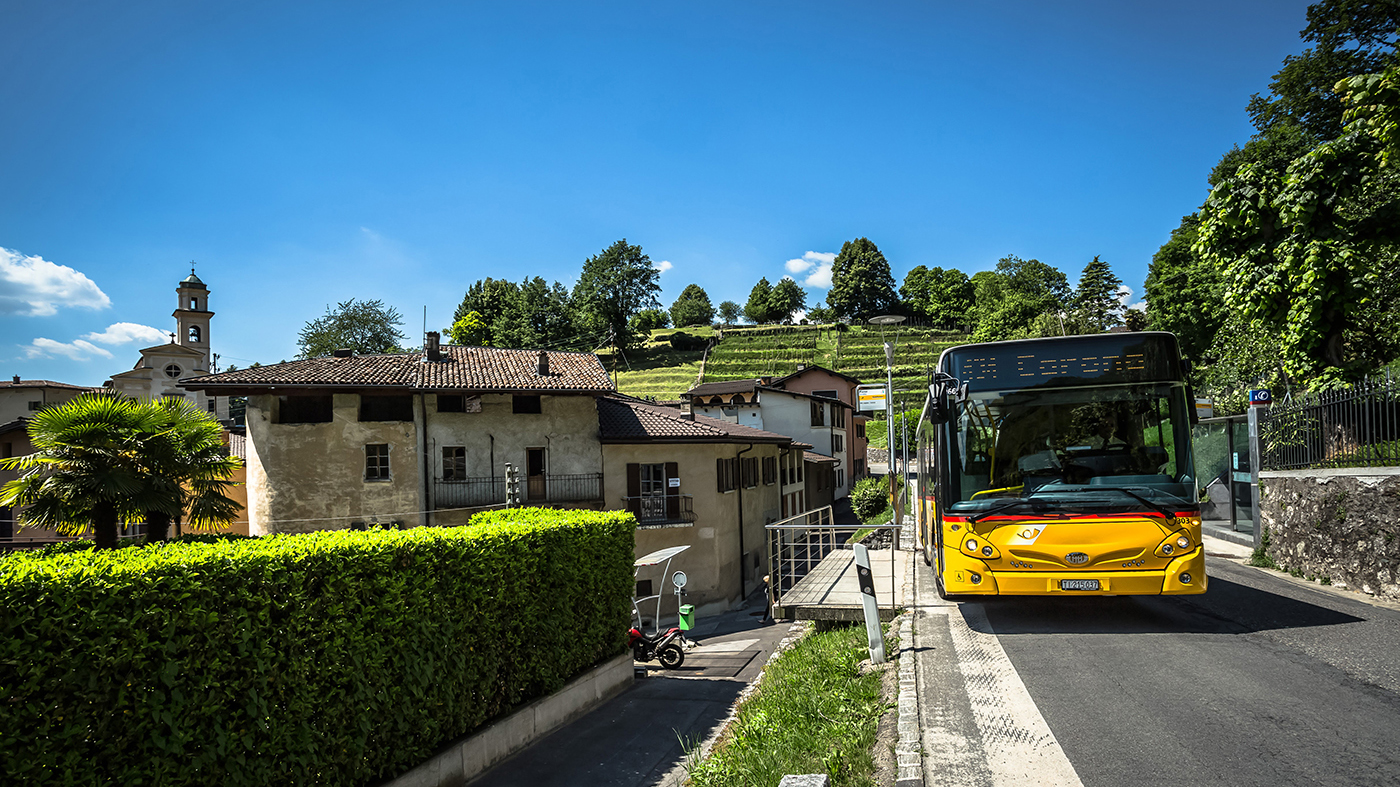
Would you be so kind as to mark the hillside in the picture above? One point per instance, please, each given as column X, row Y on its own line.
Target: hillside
column 656, row 370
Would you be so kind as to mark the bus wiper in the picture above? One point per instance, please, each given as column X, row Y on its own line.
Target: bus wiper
column 1037, row 505
column 1166, row 513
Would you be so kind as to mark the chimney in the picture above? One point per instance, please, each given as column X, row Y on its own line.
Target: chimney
column 765, row 381
column 16, row 379
column 430, row 346
column 544, row 363
column 343, row 352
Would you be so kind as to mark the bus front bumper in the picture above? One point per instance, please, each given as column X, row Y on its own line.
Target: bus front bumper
column 961, row 571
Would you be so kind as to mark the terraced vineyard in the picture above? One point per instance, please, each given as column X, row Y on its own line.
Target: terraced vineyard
column 656, row 370
column 858, row 352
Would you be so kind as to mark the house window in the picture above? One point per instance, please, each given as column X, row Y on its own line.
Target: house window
column 454, row 463
column 172, row 371
column 826, row 394
column 770, row 470
column 716, row 400
column 377, row 462
column 386, row 408
column 840, row 478
column 7, row 450
column 211, row 405
column 750, row 472
column 727, row 474
column 838, row 416
column 525, row 405
column 838, row 444
column 194, row 304
column 194, row 334
column 35, row 405
column 451, row 403
column 652, row 504
column 860, row 429
column 737, row 399
column 305, row 409
column 797, row 459
column 818, row 419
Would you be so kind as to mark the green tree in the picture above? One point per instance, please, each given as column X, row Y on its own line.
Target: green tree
column 187, row 467
column 861, row 284
column 648, row 320
column 1096, row 301
column 1008, row 301
column 533, row 314
column 730, row 311
column 820, row 315
column 490, row 299
column 759, row 308
column 1184, row 293
column 614, row 285
column 367, row 327
column 943, row 297
column 470, row 331
column 1135, row 320
column 786, row 300
column 1350, row 37
column 692, row 308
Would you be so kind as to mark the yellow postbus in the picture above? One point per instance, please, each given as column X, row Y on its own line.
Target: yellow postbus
column 1060, row 466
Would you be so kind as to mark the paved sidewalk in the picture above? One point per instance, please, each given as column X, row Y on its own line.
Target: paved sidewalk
column 639, row 738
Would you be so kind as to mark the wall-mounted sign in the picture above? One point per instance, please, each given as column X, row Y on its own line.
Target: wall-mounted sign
column 870, row 398
column 1260, row 397
column 674, row 483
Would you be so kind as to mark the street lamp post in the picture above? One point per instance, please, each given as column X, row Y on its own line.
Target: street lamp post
column 882, row 321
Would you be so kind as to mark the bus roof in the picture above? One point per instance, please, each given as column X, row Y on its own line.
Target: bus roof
column 1094, row 359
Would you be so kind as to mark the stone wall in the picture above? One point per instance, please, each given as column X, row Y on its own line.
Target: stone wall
column 1341, row 524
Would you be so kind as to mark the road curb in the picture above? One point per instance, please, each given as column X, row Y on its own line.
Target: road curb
column 908, row 751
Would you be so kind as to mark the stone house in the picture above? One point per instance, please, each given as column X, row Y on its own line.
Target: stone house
column 823, row 422
column 697, row 481
column 22, row 398
column 415, row 439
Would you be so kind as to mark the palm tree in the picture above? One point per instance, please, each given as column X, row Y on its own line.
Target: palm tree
column 189, row 469
column 85, row 470
column 102, row 458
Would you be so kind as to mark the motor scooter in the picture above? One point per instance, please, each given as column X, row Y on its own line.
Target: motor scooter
column 666, row 646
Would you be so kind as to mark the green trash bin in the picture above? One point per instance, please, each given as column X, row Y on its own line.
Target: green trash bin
column 687, row 617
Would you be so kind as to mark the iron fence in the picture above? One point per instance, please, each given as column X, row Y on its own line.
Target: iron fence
column 798, row 548
column 661, row 509
column 1351, row 427
column 489, row 491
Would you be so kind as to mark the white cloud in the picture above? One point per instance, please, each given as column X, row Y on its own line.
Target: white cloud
column 817, row 266
column 35, row 287
column 663, row 266
column 77, row 350
column 127, row 332
column 1125, row 299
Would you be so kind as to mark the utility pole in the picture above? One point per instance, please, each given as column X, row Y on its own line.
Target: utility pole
column 882, row 321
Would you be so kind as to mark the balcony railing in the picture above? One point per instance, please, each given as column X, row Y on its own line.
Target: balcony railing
column 488, row 491
column 653, row 510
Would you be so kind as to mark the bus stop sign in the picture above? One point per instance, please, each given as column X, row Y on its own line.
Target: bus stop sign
column 870, row 398
column 1260, row 397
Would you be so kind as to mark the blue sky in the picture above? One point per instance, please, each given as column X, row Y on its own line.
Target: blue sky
column 308, row 153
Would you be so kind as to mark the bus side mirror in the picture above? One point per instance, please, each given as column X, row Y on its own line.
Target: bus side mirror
column 944, row 392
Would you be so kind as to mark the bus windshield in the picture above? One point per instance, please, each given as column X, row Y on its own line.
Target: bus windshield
column 1099, row 448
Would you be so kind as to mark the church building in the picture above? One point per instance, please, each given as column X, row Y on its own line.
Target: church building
column 188, row 354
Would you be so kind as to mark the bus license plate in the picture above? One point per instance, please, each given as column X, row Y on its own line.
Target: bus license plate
column 1079, row 584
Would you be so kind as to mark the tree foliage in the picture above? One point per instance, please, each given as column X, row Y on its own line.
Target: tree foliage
column 648, row 320
column 759, row 308
column 489, row 298
column 943, row 297
column 787, row 299
column 1184, row 293
column 729, row 311
column 1008, row 301
column 367, row 327
column 692, row 308
column 615, row 284
column 470, row 331
column 861, row 283
column 1097, row 303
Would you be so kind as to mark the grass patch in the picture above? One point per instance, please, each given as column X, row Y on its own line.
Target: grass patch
column 813, row 713
column 1261, row 556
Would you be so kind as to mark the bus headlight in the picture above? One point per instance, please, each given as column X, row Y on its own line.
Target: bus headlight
column 972, row 545
column 1174, row 543
column 976, row 547
column 987, row 551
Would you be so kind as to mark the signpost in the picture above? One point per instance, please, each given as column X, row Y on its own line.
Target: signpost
column 871, row 398
column 867, row 600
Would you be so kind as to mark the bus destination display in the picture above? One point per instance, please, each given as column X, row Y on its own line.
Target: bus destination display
column 1091, row 360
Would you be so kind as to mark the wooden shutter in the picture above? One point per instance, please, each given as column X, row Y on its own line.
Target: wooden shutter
column 634, row 488
column 673, row 492
column 719, row 475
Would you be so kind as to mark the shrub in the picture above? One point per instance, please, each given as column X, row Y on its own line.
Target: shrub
column 331, row 658
column 680, row 340
column 870, row 496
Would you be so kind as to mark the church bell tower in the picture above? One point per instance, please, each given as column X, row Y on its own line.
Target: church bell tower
column 192, row 316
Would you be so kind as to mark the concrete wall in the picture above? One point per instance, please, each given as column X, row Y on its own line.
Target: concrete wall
column 14, row 402
column 712, row 563
column 305, row 477
column 566, row 427
column 1343, row 524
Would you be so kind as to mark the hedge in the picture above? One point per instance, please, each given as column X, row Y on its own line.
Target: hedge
column 331, row 658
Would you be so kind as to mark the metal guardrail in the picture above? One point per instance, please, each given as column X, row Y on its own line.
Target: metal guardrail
column 1349, row 427
column 489, row 491
column 798, row 545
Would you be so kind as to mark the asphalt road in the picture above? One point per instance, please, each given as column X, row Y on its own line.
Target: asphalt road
column 1263, row 680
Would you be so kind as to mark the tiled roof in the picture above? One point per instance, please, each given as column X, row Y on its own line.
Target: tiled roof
column 45, row 384
column 461, row 369
column 727, row 387
column 812, row 368
column 623, row 420
column 809, row 456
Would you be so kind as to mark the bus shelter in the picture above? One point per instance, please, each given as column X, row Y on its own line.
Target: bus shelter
column 1225, row 467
